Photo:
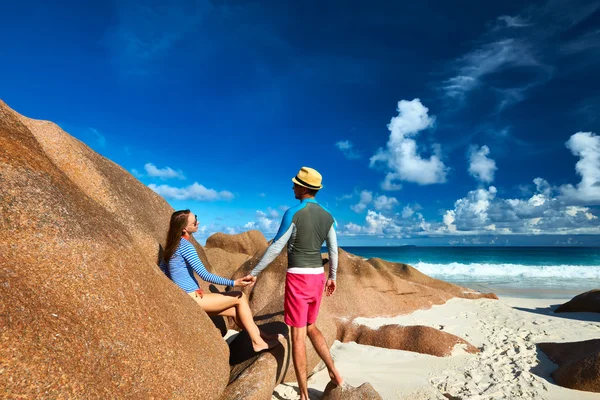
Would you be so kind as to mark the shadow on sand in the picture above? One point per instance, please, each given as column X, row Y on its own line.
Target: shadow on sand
column 545, row 366
column 549, row 311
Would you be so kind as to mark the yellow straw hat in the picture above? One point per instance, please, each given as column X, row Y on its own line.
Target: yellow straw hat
column 309, row 178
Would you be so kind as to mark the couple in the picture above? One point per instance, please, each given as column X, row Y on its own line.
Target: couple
column 304, row 228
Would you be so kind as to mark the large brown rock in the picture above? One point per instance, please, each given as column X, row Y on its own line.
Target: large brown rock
column 412, row 274
column 347, row 392
column 418, row 338
column 245, row 243
column 224, row 263
column 85, row 312
column 588, row 301
column 578, row 364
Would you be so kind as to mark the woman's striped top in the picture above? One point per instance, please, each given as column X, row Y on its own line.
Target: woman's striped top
column 184, row 261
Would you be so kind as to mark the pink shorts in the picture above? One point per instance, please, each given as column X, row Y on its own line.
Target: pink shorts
column 303, row 294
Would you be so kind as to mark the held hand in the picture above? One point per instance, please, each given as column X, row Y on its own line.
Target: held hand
column 330, row 287
column 245, row 281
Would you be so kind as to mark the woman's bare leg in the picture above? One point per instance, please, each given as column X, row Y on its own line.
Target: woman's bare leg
column 268, row 337
column 233, row 304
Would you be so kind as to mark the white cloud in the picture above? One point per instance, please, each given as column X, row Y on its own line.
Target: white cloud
column 390, row 183
column 163, row 173
column 267, row 222
column 365, row 198
column 352, row 228
column 402, row 155
column 471, row 211
column 378, row 224
column 345, row 197
column 489, row 58
column 195, row 191
column 407, row 212
column 513, row 22
column 586, row 146
column 262, row 195
column 347, row 148
column 546, row 210
column 384, row 203
column 481, row 167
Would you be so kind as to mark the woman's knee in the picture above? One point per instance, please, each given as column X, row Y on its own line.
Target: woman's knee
column 239, row 296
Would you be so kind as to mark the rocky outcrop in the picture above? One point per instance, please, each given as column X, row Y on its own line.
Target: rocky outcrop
column 85, row 312
column 363, row 290
column 247, row 243
column 411, row 274
column 223, row 263
column 347, row 392
column 578, row 364
column 418, row 338
column 588, row 301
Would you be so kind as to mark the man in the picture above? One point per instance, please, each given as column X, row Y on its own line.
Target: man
column 304, row 228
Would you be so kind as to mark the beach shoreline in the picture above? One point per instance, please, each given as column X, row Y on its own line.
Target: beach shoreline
column 510, row 365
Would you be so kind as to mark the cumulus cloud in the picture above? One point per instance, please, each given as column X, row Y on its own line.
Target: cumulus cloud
column 384, row 203
column 545, row 210
column 352, row 228
column 402, row 157
column 195, row 191
column 481, row 167
column 162, row 173
column 378, row 224
column 347, row 148
column 470, row 212
column 267, row 222
column 407, row 212
column 586, row 146
column 365, row 198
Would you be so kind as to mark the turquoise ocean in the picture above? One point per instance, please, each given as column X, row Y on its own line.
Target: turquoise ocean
column 543, row 272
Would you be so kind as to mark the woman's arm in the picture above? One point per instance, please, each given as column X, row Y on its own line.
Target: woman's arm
column 191, row 256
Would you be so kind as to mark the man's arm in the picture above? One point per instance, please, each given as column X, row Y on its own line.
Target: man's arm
column 283, row 235
column 332, row 249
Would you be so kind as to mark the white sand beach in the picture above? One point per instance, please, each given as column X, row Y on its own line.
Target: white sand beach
column 509, row 365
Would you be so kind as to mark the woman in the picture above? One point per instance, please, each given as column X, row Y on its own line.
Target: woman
column 179, row 261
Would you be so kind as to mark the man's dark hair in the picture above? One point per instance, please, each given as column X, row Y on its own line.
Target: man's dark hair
column 312, row 192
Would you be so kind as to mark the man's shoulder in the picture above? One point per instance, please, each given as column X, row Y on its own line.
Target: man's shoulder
column 290, row 212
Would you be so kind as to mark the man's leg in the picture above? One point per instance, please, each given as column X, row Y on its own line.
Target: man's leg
column 318, row 342
column 299, row 356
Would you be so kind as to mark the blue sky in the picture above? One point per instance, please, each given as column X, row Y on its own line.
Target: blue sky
column 432, row 123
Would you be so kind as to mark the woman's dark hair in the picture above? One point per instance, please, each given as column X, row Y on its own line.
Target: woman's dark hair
column 179, row 220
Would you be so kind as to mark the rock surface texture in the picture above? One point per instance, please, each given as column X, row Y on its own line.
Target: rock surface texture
column 85, row 312
column 588, row 301
column 347, row 392
column 578, row 364
column 417, row 338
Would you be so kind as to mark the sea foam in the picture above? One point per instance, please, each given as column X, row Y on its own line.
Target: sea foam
column 480, row 270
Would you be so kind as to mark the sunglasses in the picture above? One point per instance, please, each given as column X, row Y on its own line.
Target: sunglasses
column 195, row 220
